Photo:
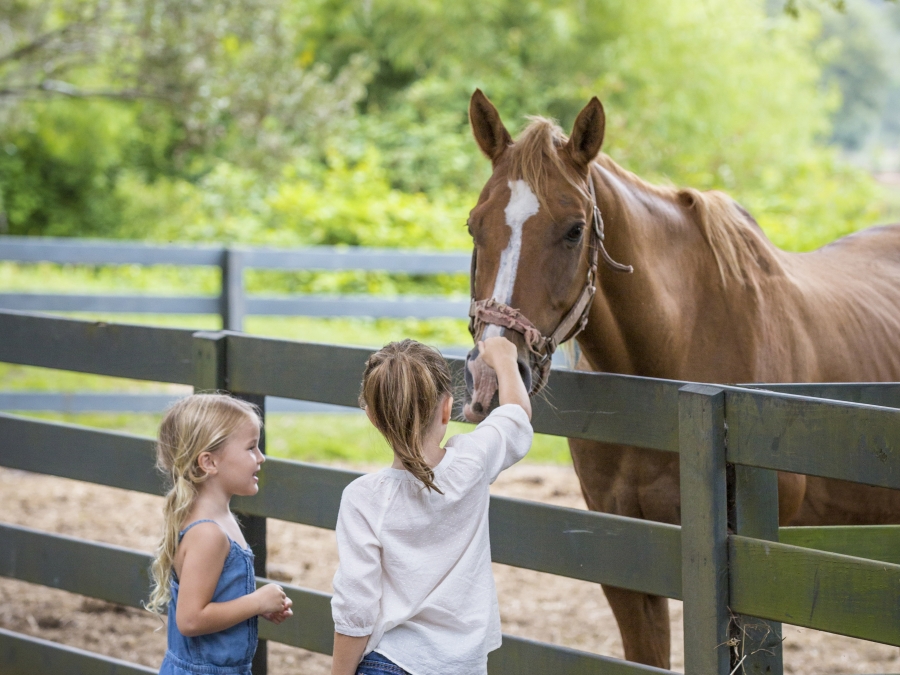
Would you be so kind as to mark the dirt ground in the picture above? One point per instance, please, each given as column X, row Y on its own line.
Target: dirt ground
column 532, row 604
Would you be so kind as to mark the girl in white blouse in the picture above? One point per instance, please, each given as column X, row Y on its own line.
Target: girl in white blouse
column 414, row 593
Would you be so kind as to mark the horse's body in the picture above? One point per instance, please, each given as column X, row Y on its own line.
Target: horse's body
column 711, row 299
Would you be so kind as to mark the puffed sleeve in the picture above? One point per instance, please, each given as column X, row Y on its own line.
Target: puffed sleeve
column 357, row 582
column 504, row 436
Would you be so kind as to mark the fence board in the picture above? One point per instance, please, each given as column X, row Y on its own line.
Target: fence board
column 836, row 440
column 295, row 305
column 311, row 628
column 325, row 258
column 825, row 591
column 519, row 655
column 367, row 306
column 137, row 352
column 319, row 258
column 132, row 304
column 121, row 575
column 68, row 451
column 298, row 492
column 312, row 372
column 75, row 402
column 102, row 571
column 626, row 552
column 611, row 408
column 27, row 655
column 885, row 394
column 99, row 252
column 874, row 542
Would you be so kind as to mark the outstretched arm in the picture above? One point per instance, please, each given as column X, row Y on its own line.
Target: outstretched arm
column 501, row 355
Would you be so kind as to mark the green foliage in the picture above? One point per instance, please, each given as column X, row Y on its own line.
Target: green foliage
column 58, row 174
column 322, row 122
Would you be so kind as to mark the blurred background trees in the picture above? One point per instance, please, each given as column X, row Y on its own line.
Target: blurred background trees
column 328, row 122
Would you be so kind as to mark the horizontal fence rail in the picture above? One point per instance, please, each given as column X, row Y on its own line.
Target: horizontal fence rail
column 832, row 439
column 136, row 352
column 233, row 304
column 295, row 305
column 886, row 394
column 26, row 655
column 630, row 553
column 79, row 402
column 620, row 405
column 120, row 575
column 825, row 591
column 875, row 542
column 319, row 258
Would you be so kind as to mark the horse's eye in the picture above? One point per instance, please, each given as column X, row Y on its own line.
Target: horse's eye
column 573, row 236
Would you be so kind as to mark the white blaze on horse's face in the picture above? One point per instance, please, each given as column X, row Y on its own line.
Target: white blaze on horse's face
column 522, row 205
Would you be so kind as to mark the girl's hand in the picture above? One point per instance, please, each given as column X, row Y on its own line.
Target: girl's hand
column 272, row 599
column 502, row 355
column 278, row 617
column 498, row 351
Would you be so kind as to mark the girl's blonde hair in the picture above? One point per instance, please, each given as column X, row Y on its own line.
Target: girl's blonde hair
column 194, row 425
column 403, row 385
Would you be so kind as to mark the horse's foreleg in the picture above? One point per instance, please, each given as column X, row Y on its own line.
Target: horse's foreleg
column 638, row 484
column 644, row 624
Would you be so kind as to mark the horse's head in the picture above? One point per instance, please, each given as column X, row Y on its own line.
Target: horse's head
column 537, row 235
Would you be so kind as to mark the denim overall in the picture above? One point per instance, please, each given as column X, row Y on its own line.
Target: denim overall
column 226, row 652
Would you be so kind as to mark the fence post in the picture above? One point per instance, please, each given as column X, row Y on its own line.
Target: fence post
column 232, row 299
column 704, row 529
column 254, row 529
column 755, row 514
column 211, row 373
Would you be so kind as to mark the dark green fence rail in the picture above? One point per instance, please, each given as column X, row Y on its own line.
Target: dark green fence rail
column 26, row 655
column 837, row 579
column 848, row 441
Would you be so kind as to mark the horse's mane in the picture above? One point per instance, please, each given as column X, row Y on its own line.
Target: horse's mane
column 732, row 234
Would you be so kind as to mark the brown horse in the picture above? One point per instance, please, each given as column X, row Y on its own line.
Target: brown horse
column 710, row 299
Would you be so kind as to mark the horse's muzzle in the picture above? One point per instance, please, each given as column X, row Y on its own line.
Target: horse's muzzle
column 482, row 394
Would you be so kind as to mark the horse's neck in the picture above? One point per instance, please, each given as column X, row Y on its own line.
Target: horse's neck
column 640, row 323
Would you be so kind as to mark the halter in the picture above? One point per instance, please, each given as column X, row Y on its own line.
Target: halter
column 490, row 311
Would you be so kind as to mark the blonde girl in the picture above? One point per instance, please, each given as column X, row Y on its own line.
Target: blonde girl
column 203, row 572
column 414, row 593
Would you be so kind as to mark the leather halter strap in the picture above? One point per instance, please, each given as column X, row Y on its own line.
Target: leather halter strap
column 491, row 311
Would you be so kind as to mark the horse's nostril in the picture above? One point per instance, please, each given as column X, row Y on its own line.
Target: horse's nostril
column 477, row 407
column 525, row 372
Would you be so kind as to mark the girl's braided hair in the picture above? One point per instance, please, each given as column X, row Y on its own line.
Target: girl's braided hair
column 403, row 385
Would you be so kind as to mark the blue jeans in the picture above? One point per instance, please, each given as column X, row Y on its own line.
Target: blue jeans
column 375, row 664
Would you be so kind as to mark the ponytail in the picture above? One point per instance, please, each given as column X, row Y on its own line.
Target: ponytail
column 194, row 425
column 403, row 386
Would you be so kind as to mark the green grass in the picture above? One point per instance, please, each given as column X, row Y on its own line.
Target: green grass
column 319, row 438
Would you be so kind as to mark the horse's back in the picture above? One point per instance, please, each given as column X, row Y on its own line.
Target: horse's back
column 846, row 307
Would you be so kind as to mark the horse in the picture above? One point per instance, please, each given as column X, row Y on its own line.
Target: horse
column 668, row 283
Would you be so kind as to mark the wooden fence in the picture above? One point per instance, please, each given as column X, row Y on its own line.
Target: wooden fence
column 233, row 304
column 843, row 580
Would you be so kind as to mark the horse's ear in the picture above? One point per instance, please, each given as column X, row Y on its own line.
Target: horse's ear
column 491, row 135
column 587, row 134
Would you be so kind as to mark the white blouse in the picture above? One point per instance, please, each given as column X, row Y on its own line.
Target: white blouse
column 415, row 565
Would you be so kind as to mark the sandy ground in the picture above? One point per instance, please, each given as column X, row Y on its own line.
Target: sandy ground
column 532, row 604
